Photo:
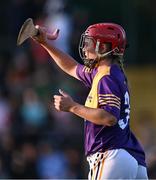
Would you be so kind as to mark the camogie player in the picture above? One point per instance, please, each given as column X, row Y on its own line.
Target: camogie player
column 112, row 150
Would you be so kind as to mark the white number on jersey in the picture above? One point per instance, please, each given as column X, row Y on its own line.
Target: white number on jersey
column 121, row 122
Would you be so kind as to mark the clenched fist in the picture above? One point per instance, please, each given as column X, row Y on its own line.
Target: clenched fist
column 63, row 102
column 44, row 35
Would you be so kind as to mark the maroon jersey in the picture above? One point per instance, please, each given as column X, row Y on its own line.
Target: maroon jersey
column 113, row 96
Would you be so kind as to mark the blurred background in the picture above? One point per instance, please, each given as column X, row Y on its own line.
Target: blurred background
column 35, row 140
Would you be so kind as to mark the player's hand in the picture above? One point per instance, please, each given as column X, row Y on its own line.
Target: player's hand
column 63, row 102
column 43, row 35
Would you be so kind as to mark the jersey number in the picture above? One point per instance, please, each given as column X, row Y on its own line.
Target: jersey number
column 123, row 123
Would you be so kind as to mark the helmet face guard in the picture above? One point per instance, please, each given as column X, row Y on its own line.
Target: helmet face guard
column 81, row 46
column 86, row 42
column 102, row 33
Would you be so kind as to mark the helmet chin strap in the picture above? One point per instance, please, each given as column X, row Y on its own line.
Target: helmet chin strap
column 115, row 51
column 91, row 63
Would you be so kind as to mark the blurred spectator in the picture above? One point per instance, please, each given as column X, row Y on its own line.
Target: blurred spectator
column 52, row 164
column 23, row 163
column 33, row 111
column 75, row 163
column 29, row 153
column 18, row 75
column 18, row 165
column 58, row 17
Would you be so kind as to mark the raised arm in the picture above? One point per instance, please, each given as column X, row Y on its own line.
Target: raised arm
column 63, row 60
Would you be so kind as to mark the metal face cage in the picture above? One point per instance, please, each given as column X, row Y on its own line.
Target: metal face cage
column 86, row 42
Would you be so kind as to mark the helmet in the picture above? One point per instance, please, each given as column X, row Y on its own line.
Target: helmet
column 105, row 33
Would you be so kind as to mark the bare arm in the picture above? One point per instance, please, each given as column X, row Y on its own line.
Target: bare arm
column 95, row 115
column 63, row 60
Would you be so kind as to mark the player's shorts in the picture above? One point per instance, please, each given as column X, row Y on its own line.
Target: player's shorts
column 115, row 164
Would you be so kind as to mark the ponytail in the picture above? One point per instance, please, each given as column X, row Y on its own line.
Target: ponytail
column 119, row 60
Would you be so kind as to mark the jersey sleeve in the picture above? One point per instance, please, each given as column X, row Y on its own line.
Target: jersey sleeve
column 84, row 74
column 109, row 96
